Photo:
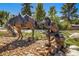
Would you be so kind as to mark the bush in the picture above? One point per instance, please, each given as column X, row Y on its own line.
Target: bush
column 75, row 21
column 65, row 25
column 71, row 41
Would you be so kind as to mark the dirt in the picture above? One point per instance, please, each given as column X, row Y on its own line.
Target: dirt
column 10, row 46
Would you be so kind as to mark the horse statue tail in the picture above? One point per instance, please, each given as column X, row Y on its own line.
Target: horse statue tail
column 10, row 29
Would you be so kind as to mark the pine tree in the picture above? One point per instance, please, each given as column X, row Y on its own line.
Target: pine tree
column 52, row 13
column 69, row 11
column 26, row 9
column 3, row 17
column 40, row 13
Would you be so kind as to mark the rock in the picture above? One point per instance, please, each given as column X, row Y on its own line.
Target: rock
column 38, row 49
column 73, row 53
column 42, row 46
column 74, row 47
column 41, row 53
column 74, row 35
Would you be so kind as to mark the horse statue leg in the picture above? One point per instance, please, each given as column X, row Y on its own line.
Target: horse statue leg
column 19, row 33
column 49, row 40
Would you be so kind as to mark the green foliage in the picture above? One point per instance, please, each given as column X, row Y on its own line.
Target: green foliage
column 69, row 11
column 4, row 14
column 57, row 21
column 37, row 35
column 26, row 9
column 52, row 13
column 75, row 21
column 3, row 17
column 2, row 33
column 40, row 13
column 71, row 41
column 65, row 25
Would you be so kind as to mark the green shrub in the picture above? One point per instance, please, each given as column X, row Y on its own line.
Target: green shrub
column 71, row 41
column 75, row 21
column 65, row 25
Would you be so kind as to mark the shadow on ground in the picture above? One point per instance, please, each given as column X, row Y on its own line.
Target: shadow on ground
column 17, row 43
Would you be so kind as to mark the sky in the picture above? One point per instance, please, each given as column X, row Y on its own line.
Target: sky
column 15, row 8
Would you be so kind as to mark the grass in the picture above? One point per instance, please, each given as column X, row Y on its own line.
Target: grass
column 37, row 35
column 2, row 33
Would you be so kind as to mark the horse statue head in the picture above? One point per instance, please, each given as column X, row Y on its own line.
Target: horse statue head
column 9, row 25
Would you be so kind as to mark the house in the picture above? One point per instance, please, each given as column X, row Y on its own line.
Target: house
column 75, row 26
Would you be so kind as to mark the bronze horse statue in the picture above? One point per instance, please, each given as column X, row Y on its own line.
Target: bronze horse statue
column 17, row 23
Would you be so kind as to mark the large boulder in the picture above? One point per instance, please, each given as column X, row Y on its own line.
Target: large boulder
column 73, row 51
column 74, row 36
column 74, row 47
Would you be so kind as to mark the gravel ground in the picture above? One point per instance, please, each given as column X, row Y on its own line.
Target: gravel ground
column 25, row 47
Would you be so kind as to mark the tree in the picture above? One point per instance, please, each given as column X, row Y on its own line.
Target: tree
column 26, row 9
column 3, row 17
column 69, row 11
column 40, row 13
column 52, row 13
